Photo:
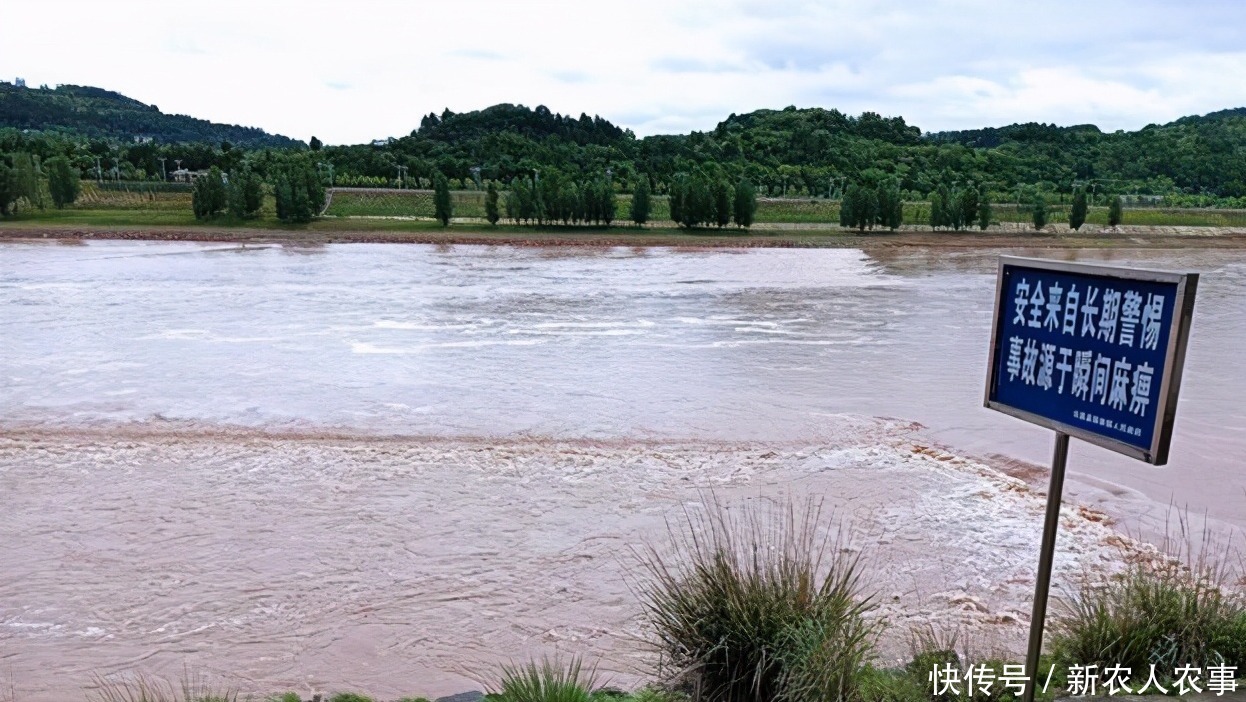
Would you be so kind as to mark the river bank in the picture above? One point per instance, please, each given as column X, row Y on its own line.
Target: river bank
column 334, row 231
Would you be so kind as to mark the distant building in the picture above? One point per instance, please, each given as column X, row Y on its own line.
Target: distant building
column 142, row 139
column 383, row 142
column 184, row 175
column 20, row 82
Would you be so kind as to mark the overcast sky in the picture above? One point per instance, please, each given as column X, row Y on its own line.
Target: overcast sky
column 349, row 72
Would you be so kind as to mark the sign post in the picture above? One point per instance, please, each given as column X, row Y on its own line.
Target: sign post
column 1093, row 352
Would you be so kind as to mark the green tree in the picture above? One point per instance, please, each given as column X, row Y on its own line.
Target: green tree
column 491, row 204
column 1077, row 215
column 722, row 202
column 953, row 209
column 252, row 192
column 968, row 206
column 8, row 189
column 208, row 198
column 1114, row 212
column 938, row 217
column 442, row 207
column 316, row 144
column 245, row 194
column 299, row 192
column 300, row 203
column 640, row 202
column 26, row 182
column 984, row 210
column 283, row 194
column 847, row 205
column 608, row 206
column 744, row 207
column 63, row 181
column 676, row 195
column 1040, row 213
column 891, row 206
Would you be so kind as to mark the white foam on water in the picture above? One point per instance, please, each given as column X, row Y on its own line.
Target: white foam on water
column 416, row 326
column 578, row 332
column 363, row 347
column 392, row 565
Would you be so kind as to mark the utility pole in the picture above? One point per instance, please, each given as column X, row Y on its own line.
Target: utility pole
column 163, row 174
column 99, row 172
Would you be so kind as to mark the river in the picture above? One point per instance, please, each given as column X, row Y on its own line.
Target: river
column 147, row 375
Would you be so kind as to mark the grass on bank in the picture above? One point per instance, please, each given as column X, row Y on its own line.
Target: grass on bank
column 1170, row 613
column 141, row 207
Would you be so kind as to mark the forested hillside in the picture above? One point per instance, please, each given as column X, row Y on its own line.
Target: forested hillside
column 814, row 152
column 99, row 113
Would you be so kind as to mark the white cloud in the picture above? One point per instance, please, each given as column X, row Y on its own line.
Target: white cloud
column 372, row 68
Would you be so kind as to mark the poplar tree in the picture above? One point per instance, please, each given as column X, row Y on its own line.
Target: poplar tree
column 891, row 206
column 1040, row 213
column 26, row 182
column 640, row 202
column 8, row 191
column 1114, row 212
column 245, row 193
column 512, row 205
column 745, row 204
column 676, row 195
column 722, row 202
column 937, row 216
column 1077, row 215
column 63, row 181
column 609, row 208
column 968, row 207
column 984, row 210
column 442, row 208
column 208, row 198
column 847, row 205
column 491, row 204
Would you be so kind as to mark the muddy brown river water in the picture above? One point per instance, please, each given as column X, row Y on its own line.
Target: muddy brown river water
column 386, row 468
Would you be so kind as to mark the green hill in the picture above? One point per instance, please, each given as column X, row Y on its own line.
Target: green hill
column 99, row 113
column 811, row 152
column 815, row 150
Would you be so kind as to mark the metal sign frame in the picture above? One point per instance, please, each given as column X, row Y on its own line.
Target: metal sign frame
column 1174, row 355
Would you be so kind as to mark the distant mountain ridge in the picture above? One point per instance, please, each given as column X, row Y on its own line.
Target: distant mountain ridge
column 100, row 113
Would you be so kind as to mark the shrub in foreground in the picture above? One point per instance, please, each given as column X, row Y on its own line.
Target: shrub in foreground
column 1169, row 616
column 145, row 688
column 759, row 605
column 548, row 681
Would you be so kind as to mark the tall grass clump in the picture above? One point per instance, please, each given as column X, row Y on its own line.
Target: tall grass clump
column 548, row 681
column 757, row 605
column 1171, row 612
column 145, row 688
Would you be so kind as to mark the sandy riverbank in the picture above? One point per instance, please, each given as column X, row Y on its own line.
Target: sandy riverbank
column 776, row 236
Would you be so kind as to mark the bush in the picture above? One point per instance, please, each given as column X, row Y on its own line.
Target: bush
column 144, row 688
column 1169, row 616
column 1039, row 214
column 208, row 197
column 550, row 681
column 751, row 609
